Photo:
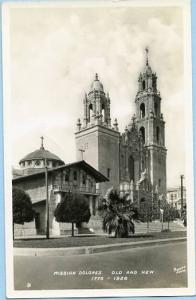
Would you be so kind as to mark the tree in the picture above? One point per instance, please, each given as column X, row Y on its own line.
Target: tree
column 22, row 207
column 169, row 213
column 146, row 212
column 73, row 208
column 183, row 216
column 118, row 214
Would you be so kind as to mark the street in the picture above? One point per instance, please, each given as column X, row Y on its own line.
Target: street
column 162, row 266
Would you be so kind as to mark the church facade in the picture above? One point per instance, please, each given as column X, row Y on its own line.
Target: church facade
column 135, row 160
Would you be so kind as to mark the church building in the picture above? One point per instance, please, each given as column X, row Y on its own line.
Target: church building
column 76, row 177
column 135, row 160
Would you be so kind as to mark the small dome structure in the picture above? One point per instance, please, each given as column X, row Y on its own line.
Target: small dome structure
column 40, row 154
column 38, row 159
column 96, row 85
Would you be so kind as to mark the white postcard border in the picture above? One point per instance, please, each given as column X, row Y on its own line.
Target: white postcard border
column 189, row 158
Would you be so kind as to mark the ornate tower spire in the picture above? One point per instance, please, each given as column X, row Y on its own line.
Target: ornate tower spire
column 147, row 78
column 147, row 50
column 97, row 137
column 151, row 125
column 96, row 106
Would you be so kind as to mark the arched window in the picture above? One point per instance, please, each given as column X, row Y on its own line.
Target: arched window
column 154, row 84
column 84, row 179
column 156, row 109
column 142, row 200
column 90, row 111
column 75, row 175
column 131, row 168
column 37, row 162
column 143, row 84
column 122, row 160
column 103, row 112
column 157, row 134
column 142, row 110
column 142, row 133
column 67, row 176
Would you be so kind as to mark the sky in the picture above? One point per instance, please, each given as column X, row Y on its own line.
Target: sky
column 54, row 54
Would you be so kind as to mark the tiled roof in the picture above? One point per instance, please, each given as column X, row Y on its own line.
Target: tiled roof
column 40, row 154
column 99, row 177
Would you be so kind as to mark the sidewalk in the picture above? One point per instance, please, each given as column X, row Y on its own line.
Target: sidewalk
column 92, row 249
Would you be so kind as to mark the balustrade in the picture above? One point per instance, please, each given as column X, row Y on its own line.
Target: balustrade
column 77, row 189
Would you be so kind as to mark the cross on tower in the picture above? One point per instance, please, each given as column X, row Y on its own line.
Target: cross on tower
column 81, row 151
column 147, row 50
column 42, row 142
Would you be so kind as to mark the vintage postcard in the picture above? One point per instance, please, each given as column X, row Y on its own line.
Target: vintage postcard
column 99, row 197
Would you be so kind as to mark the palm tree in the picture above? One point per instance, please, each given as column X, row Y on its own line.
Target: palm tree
column 118, row 214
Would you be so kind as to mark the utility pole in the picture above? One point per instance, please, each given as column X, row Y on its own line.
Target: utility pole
column 181, row 188
column 47, row 202
column 46, row 187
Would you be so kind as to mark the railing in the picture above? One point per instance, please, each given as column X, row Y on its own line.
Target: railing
column 72, row 188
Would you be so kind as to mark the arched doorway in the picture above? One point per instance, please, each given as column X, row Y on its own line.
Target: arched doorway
column 142, row 110
column 131, row 168
column 158, row 134
column 142, row 132
column 103, row 112
column 90, row 112
column 156, row 109
column 37, row 222
column 143, row 85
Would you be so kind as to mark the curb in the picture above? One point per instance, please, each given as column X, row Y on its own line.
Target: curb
column 92, row 249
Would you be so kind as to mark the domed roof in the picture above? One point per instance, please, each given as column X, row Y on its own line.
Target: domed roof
column 41, row 154
column 96, row 85
column 131, row 125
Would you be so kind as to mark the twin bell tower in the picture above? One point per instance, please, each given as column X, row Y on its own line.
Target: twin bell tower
column 137, row 156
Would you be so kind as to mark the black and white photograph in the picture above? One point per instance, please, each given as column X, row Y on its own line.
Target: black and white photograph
column 98, row 145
